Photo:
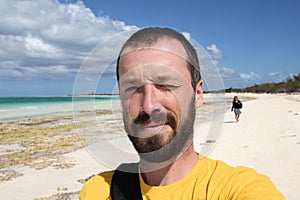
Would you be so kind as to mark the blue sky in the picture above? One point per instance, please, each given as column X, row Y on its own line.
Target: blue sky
column 44, row 43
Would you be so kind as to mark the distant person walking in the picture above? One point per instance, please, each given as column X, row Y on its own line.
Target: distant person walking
column 236, row 107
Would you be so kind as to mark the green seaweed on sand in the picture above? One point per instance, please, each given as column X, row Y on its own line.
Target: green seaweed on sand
column 40, row 146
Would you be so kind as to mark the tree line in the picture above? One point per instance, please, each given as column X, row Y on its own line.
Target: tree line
column 290, row 85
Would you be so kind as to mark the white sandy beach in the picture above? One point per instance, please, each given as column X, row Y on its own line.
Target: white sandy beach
column 267, row 138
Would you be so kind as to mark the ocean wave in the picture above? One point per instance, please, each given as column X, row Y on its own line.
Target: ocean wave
column 28, row 107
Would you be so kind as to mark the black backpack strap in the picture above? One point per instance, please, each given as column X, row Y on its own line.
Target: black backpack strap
column 125, row 183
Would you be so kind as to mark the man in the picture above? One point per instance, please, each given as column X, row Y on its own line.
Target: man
column 160, row 89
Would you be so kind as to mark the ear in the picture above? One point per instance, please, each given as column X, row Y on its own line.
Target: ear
column 199, row 94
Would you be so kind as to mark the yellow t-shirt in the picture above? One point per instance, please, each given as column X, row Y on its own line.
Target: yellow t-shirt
column 209, row 179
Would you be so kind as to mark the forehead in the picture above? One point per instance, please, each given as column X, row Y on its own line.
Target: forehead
column 166, row 52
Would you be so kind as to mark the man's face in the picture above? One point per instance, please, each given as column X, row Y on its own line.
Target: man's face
column 158, row 100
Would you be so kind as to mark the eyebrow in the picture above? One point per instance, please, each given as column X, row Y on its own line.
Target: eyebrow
column 129, row 80
column 160, row 79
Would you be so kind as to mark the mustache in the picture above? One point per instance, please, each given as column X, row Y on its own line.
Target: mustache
column 155, row 116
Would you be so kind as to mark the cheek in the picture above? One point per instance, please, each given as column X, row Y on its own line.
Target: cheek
column 132, row 106
column 182, row 100
column 172, row 104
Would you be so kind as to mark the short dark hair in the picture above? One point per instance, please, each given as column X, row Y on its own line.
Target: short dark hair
column 150, row 36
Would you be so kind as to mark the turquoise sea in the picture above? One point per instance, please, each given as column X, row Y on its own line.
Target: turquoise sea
column 13, row 108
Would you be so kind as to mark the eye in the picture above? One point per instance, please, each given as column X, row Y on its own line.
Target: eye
column 165, row 87
column 133, row 89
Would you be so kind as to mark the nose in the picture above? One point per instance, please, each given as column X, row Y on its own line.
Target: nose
column 150, row 99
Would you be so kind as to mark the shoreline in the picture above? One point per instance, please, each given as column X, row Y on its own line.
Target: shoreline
column 267, row 141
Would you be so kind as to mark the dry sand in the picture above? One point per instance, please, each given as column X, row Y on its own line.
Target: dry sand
column 266, row 139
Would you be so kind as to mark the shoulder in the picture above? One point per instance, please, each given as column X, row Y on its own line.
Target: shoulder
column 243, row 182
column 246, row 182
column 97, row 187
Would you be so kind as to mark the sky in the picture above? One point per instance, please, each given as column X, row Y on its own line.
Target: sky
column 47, row 46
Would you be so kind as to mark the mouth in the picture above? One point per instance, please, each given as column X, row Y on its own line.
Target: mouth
column 150, row 129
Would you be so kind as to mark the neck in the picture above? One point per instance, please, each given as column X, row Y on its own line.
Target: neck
column 168, row 173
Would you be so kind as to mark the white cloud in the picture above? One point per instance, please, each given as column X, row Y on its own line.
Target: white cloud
column 187, row 35
column 48, row 40
column 214, row 51
column 13, row 70
column 226, row 70
column 251, row 76
column 232, row 78
column 35, row 47
column 39, row 37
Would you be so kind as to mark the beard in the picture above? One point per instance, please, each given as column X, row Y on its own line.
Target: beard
column 165, row 145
